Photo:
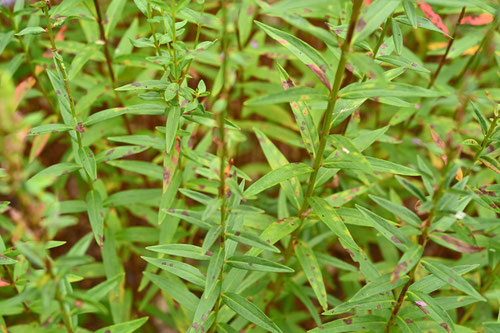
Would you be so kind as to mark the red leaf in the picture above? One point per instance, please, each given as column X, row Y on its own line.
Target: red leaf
column 433, row 16
column 482, row 19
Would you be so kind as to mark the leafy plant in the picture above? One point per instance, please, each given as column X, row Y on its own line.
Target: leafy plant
column 226, row 166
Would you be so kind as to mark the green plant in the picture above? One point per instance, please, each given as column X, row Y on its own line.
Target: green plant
column 220, row 166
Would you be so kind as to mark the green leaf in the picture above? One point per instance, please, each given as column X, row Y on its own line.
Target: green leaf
column 333, row 221
column 118, row 152
column 214, row 270
column 400, row 211
column 113, row 15
column 311, row 267
column 182, row 250
column 49, row 128
column 56, row 170
column 276, row 159
column 173, row 119
column 371, row 88
column 87, row 159
column 350, row 151
column 275, row 232
column 181, row 269
column 126, row 327
column 249, row 311
column 353, row 324
column 138, row 109
column 4, row 260
column 175, row 289
column 307, row 54
column 101, row 290
column 373, row 17
column 429, row 306
column 141, row 167
column 245, row 18
column 31, row 31
column 295, row 94
column 409, row 259
column 80, row 60
column 5, row 39
column 387, row 229
column 302, row 114
column 483, row 122
column 413, row 189
column 381, row 285
column 277, row 176
column 205, row 306
column 251, row 263
column 447, row 275
column 422, row 22
column 141, row 140
column 252, row 240
column 144, row 85
column 96, row 215
column 431, row 283
column 411, row 13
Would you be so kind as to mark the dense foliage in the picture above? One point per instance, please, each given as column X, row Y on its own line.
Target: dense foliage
column 249, row 165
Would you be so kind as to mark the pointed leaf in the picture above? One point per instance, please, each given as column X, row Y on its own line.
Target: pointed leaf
column 249, row 311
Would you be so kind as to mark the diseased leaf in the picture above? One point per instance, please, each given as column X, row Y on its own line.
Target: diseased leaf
column 138, row 109
column 96, row 216
column 429, row 306
column 352, row 324
column 311, row 267
column 372, row 17
column 409, row 259
column 448, row 275
column 387, row 229
column 307, row 54
column 49, row 128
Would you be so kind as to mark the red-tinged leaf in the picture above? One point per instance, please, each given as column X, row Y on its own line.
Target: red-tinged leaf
column 439, row 142
column 22, row 89
column 4, row 283
column 481, row 19
column 457, row 244
column 433, row 16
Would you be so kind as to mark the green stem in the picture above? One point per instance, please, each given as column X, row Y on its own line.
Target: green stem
column 222, row 157
column 109, row 62
column 484, row 143
column 438, row 194
column 407, row 124
column 325, row 130
column 66, row 84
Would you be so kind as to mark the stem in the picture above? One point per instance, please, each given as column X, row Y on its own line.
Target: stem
column 382, row 36
column 325, row 130
column 109, row 62
column 222, row 166
column 406, row 126
column 68, row 89
column 450, row 43
column 60, row 298
column 438, row 194
column 486, row 138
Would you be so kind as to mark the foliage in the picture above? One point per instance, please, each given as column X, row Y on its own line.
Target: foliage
column 249, row 165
